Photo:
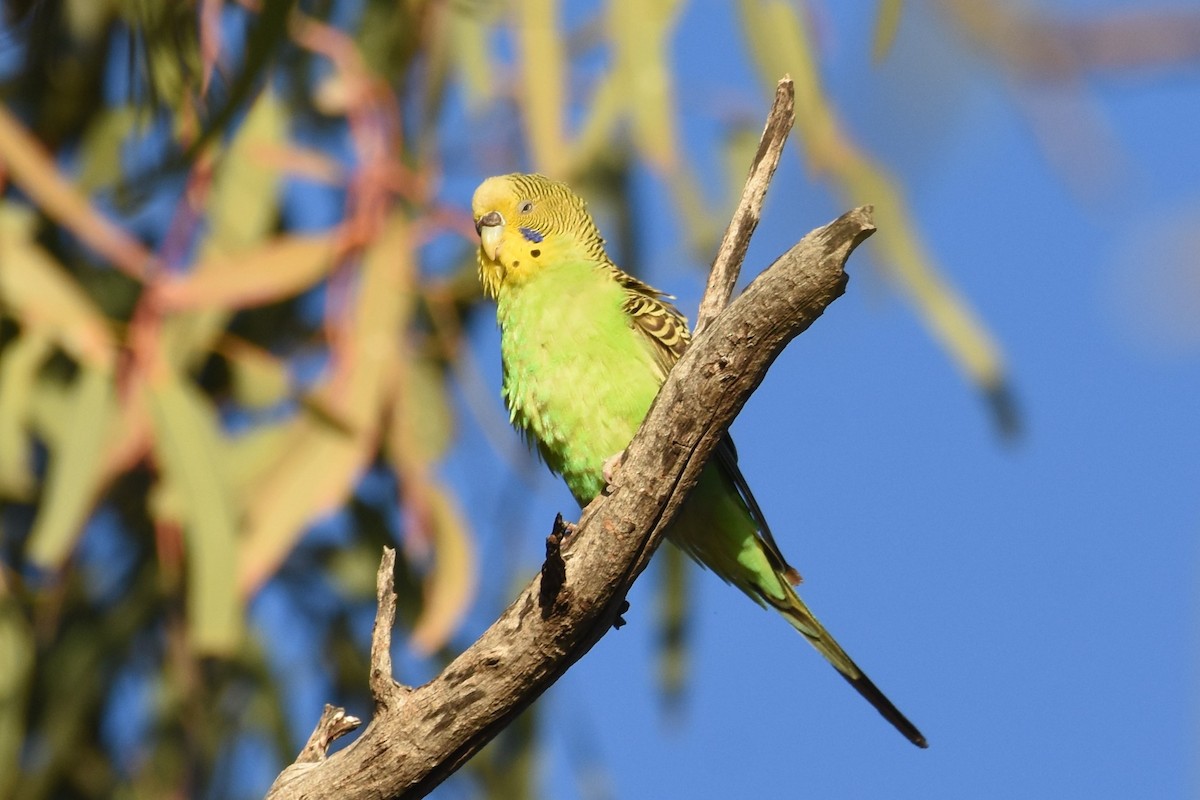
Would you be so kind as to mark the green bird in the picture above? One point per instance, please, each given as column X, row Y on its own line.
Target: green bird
column 585, row 349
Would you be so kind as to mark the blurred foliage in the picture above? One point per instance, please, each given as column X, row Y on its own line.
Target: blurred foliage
column 229, row 358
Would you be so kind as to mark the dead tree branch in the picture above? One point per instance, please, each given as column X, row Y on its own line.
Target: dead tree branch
column 732, row 251
column 420, row 736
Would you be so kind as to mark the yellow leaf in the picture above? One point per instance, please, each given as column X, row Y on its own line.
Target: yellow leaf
column 640, row 32
column 231, row 273
column 50, row 411
column 468, row 33
column 510, row 764
column 76, row 471
column 188, row 337
column 280, row 268
column 451, row 582
column 30, row 167
column 641, row 35
column 260, row 380
column 782, row 44
column 44, row 297
column 321, row 462
column 315, row 472
column 248, row 457
column 543, row 68
column 887, row 25
column 740, row 146
column 607, row 105
column 187, row 440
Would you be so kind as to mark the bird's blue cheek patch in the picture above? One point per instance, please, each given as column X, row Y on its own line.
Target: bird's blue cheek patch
column 530, row 234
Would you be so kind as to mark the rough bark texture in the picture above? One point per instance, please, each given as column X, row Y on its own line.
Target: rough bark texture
column 418, row 737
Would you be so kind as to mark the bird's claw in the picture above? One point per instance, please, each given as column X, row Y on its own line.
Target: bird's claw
column 611, row 465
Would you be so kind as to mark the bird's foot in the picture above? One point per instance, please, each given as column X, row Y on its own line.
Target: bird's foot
column 611, row 465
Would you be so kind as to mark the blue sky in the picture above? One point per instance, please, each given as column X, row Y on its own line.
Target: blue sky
column 1031, row 605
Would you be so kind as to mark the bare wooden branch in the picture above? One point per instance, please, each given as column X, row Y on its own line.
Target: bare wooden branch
column 421, row 736
column 383, row 684
column 334, row 724
column 731, row 253
column 554, row 569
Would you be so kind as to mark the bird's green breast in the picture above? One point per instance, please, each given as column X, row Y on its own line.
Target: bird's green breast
column 577, row 376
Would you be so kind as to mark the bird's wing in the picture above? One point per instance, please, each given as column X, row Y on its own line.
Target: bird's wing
column 667, row 332
column 663, row 327
column 650, row 314
column 726, row 458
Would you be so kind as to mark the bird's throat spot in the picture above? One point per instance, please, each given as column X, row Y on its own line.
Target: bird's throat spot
column 535, row 253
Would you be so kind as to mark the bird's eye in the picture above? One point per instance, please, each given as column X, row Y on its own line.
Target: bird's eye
column 525, row 207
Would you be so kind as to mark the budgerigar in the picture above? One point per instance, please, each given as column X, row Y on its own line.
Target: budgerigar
column 585, row 349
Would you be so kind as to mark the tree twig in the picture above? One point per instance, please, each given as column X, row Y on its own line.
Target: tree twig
column 554, row 569
column 383, row 684
column 421, row 736
column 731, row 253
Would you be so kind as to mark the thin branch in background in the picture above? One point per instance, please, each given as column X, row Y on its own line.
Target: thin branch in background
column 1042, row 47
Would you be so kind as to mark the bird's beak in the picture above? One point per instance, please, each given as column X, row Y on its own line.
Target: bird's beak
column 490, row 228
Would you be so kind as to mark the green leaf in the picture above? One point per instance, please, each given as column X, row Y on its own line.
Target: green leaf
column 321, row 462
column 280, row 268
column 260, row 380
column 76, row 472
column 422, row 420
column 673, row 602
column 243, row 203
column 16, row 674
column 19, row 365
column 187, row 447
column 100, row 150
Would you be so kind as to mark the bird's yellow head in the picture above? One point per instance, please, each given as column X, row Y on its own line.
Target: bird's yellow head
column 523, row 222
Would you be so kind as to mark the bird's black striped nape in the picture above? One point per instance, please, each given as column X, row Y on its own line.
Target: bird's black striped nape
column 556, row 209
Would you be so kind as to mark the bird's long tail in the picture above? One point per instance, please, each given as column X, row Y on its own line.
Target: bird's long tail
column 796, row 612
